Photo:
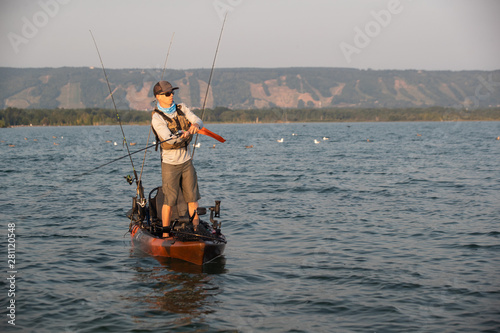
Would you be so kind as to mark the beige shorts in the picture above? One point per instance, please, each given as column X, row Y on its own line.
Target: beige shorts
column 177, row 177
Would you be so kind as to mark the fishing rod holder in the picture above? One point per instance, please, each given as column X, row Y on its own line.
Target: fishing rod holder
column 214, row 212
column 138, row 212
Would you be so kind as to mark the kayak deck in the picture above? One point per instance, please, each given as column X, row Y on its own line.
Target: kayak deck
column 198, row 245
column 198, row 252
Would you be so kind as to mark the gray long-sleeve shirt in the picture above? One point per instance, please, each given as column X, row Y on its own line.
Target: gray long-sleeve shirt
column 174, row 156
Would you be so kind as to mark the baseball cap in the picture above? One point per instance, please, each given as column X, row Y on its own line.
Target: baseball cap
column 163, row 87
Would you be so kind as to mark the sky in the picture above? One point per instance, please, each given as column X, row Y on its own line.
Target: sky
column 364, row 34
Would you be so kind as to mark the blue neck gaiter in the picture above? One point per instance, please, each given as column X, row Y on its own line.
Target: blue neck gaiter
column 169, row 110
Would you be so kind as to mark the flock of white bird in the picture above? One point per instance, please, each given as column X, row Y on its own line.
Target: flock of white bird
column 198, row 144
column 315, row 140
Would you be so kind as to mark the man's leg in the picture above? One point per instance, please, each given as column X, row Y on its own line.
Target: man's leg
column 170, row 175
column 166, row 213
column 192, row 206
column 191, row 192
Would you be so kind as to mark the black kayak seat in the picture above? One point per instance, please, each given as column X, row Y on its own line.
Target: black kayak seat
column 156, row 198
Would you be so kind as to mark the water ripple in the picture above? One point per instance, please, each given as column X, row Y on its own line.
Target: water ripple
column 399, row 234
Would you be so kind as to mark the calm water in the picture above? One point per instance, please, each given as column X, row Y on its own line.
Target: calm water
column 400, row 233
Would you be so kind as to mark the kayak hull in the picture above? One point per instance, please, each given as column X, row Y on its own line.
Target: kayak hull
column 198, row 252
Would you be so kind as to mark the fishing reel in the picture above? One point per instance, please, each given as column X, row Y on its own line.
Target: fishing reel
column 129, row 179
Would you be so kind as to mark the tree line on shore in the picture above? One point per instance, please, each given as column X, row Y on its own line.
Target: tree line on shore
column 96, row 116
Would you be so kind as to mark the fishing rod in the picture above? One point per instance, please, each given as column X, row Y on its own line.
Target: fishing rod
column 47, row 193
column 209, row 81
column 140, row 190
column 128, row 155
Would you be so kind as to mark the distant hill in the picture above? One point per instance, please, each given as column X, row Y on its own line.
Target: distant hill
column 250, row 88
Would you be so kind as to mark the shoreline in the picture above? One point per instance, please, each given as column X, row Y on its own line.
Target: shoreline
column 108, row 117
column 276, row 122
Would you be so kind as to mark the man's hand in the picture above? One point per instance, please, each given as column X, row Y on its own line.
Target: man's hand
column 193, row 129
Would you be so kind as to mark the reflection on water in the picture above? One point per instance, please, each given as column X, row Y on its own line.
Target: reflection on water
column 217, row 266
column 176, row 286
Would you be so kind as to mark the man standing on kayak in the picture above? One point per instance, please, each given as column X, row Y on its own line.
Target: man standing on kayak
column 177, row 170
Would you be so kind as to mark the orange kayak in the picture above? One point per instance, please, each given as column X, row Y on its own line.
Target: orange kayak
column 198, row 252
column 198, row 245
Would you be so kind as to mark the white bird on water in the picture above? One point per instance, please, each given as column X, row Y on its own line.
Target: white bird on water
column 280, row 140
column 197, row 145
column 316, row 141
column 326, row 138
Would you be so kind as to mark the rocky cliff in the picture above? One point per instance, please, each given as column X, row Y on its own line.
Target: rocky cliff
column 250, row 88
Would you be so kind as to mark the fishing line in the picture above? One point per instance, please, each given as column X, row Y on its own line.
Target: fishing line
column 128, row 155
column 103, row 165
column 161, row 79
column 145, row 152
column 168, row 52
column 209, row 81
column 138, row 182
